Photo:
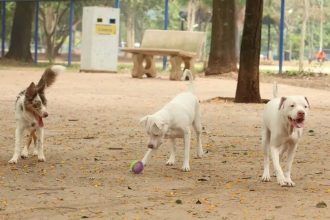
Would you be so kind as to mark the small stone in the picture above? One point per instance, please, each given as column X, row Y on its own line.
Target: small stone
column 178, row 201
column 321, row 205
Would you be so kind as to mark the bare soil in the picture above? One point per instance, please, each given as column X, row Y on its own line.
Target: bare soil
column 93, row 133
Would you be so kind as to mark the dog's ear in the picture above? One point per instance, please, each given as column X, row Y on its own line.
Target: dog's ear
column 309, row 106
column 281, row 102
column 31, row 91
column 144, row 121
column 161, row 126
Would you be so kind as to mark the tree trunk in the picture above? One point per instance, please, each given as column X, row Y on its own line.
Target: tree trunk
column 130, row 28
column 20, row 38
column 303, row 36
column 247, row 90
column 222, row 57
column 191, row 14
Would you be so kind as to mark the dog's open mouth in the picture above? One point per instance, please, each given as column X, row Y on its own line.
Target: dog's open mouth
column 39, row 120
column 297, row 123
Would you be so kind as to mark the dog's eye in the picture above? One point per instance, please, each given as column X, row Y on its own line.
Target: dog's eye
column 305, row 106
column 291, row 106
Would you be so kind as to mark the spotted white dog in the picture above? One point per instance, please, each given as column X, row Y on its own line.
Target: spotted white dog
column 174, row 121
column 283, row 123
column 30, row 109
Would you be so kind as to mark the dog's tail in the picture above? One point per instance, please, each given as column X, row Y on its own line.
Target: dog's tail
column 275, row 89
column 188, row 74
column 49, row 76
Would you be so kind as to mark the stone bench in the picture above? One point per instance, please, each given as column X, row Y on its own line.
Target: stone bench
column 183, row 47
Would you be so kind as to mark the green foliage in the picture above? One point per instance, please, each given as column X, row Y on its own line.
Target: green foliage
column 293, row 21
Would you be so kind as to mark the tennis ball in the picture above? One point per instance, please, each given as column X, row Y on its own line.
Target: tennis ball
column 136, row 166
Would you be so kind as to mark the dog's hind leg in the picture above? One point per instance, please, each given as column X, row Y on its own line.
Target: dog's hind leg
column 198, row 129
column 266, row 147
column 187, row 137
column 25, row 151
column 171, row 160
column 18, row 144
column 35, row 141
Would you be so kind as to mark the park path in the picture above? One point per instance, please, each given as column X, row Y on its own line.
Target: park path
column 90, row 114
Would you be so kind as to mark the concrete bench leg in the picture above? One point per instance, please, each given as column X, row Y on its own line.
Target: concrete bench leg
column 176, row 71
column 150, row 68
column 138, row 70
column 189, row 64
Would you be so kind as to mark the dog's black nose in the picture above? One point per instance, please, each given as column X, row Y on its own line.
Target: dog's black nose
column 150, row 146
column 45, row 115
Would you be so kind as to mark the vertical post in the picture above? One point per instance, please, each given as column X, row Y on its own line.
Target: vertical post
column 165, row 28
column 70, row 31
column 321, row 26
column 117, row 4
column 268, row 38
column 36, row 32
column 281, row 47
column 3, row 29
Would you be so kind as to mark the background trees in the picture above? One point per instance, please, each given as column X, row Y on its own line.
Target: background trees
column 222, row 57
column 138, row 15
column 248, row 76
column 21, row 32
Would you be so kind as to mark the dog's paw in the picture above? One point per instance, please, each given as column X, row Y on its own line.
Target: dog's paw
column 281, row 181
column 170, row 162
column 41, row 158
column 185, row 168
column 200, row 154
column 13, row 160
column 265, row 178
column 289, row 182
column 24, row 154
column 35, row 152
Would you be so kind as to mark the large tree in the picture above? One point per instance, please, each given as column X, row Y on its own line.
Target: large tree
column 222, row 58
column 247, row 90
column 20, row 39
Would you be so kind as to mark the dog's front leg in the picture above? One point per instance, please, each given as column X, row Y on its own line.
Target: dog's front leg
column 287, row 174
column 171, row 160
column 40, row 144
column 187, row 137
column 18, row 144
column 146, row 157
column 277, row 167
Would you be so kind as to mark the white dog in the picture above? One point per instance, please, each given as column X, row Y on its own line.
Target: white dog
column 283, row 123
column 174, row 121
column 30, row 109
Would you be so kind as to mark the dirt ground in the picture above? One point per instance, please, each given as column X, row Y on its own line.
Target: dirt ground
column 90, row 115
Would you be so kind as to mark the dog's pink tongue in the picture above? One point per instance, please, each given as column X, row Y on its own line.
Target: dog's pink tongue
column 40, row 122
column 297, row 124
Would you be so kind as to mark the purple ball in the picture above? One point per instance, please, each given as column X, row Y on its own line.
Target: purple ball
column 137, row 167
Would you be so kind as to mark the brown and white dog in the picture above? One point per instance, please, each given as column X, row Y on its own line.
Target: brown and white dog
column 30, row 109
